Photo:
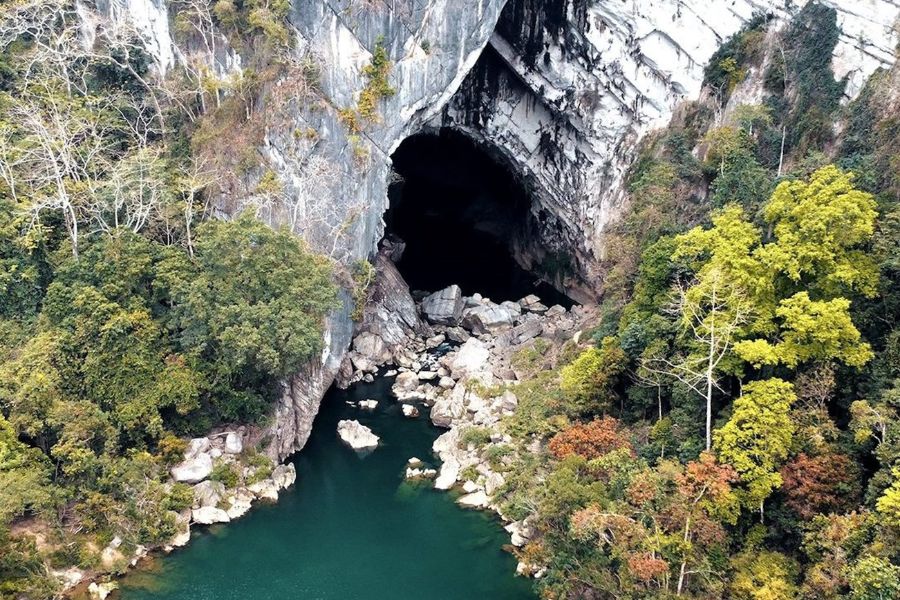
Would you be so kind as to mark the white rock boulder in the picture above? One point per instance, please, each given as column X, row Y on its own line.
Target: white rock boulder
column 193, row 470
column 356, row 435
column 208, row 515
column 233, row 443
column 368, row 404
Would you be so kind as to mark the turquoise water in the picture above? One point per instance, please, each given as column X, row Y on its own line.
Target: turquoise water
column 350, row 528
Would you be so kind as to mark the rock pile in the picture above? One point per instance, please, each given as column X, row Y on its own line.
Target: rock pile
column 461, row 367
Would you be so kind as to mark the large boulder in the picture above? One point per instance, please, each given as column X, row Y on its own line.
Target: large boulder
column 193, row 470
column 233, row 443
column 489, row 318
column 207, row 515
column 371, row 346
column 448, row 475
column 444, row 307
column 472, row 358
column 208, row 493
column 356, row 435
column 284, row 476
column 239, row 503
column 449, row 407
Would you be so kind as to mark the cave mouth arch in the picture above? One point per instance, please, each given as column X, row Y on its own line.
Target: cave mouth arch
column 464, row 217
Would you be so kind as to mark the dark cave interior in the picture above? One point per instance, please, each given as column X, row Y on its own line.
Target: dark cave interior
column 461, row 214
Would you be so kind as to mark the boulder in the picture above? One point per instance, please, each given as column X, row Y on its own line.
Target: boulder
column 193, row 470
column 284, row 476
column 555, row 311
column 368, row 404
column 239, row 503
column 449, row 473
column 414, row 462
column 357, row 436
column 488, row 318
column 264, row 490
column 233, row 443
column 208, row 515
column 371, row 346
column 471, row 358
column 446, row 383
column 100, row 591
column 417, row 473
column 532, row 303
column 183, row 523
column 68, row 578
column 458, row 335
column 475, row 500
column 208, row 493
column 525, row 331
column 449, row 407
column 405, row 382
column 409, row 411
column 512, row 307
column 493, row 482
column 508, row 401
column 444, row 307
column 427, row 375
column 196, row 447
column 435, row 341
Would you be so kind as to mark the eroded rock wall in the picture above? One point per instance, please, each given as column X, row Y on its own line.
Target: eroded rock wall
column 568, row 87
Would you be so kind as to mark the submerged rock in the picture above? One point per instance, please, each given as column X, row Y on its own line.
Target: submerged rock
column 356, row 435
column 444, row 307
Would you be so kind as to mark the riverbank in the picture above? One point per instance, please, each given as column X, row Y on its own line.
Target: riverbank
column 352, row 527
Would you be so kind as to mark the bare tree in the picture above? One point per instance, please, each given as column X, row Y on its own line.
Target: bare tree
column 711, row 315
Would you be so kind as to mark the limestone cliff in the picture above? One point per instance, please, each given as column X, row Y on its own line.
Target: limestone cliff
column 560, row 90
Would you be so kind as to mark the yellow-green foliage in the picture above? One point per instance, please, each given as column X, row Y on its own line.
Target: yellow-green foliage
column 588, row 381
column 888, row 504
column 756, row 439
column 377, row 88
column 764, row 576
column 363, row 276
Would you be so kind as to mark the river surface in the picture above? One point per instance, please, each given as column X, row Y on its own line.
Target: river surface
column 350, row 528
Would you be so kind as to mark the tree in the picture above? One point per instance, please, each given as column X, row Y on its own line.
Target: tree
column 819, row 226
column 589, row 380
column 757, row 437
column 764, row 575
column 590, row 440
column 712, row 314
column 874, row 578
column 827, row 483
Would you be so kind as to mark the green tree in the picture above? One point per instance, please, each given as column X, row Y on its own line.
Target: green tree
column 757, row 437
column 588, row 381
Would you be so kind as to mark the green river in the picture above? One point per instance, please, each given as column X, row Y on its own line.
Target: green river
column 350, row 528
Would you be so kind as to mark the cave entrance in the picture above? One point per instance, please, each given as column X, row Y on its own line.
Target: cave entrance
column 464, row 218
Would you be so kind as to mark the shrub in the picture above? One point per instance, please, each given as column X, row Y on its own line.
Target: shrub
column 589, row 441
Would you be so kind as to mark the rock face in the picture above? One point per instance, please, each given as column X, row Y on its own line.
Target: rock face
column 357, row 436
column 567, row 88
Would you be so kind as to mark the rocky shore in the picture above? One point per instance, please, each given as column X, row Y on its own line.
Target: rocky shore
column 461, row 363
column 226, row 480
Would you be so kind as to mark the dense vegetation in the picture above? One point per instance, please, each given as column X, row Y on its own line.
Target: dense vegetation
column 129, row 319
column 731, row 432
